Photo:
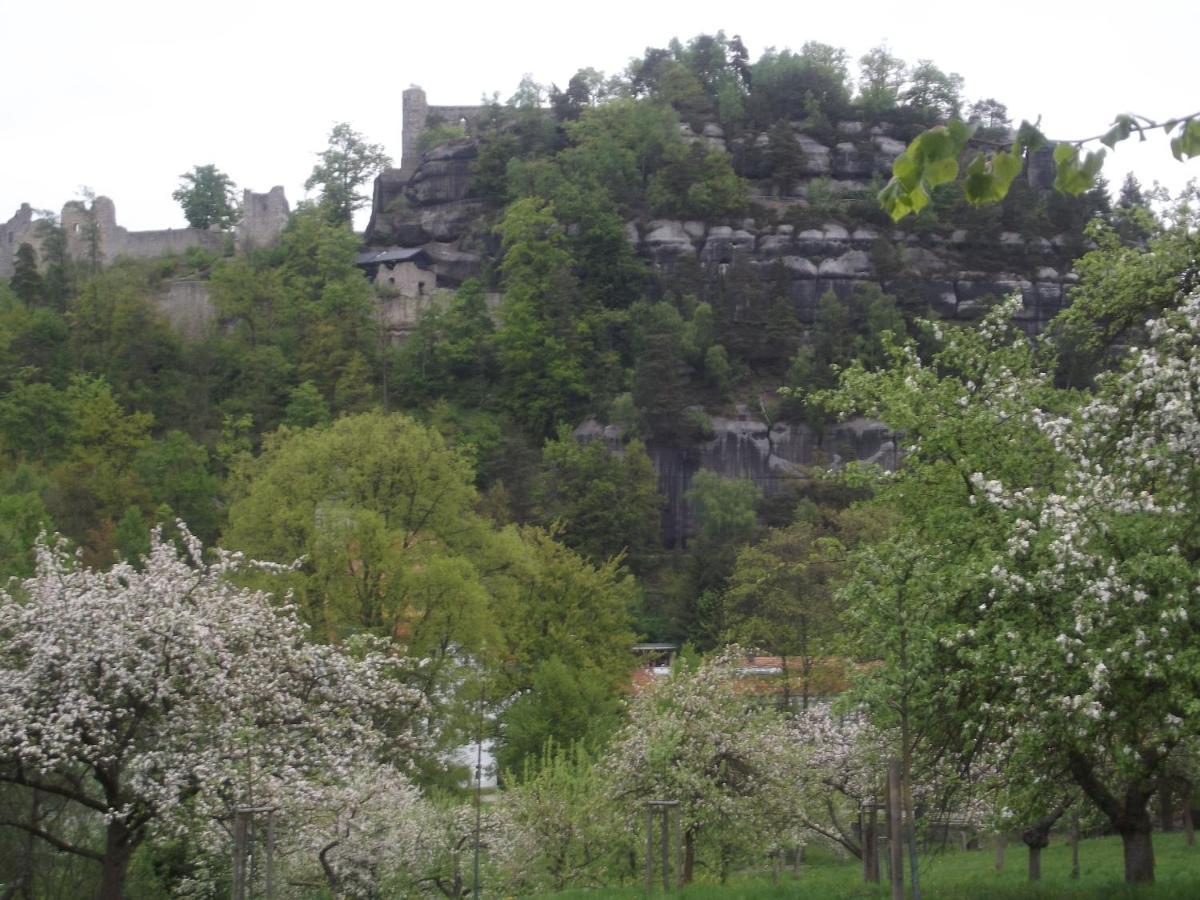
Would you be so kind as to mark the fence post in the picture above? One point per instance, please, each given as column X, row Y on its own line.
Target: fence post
column 239, row 855
column 649, row 849
column 895, row 830
column 870, row 842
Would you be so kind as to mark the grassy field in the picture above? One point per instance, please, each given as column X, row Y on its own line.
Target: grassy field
column 969, row 875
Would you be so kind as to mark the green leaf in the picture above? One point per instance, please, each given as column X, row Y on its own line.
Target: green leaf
column 930, row 159
column 1122, row 127
column 1064, row 153
column 1072, row 176
column 988, row 180
column 906, row 170
column 1029, row 138
column 940, row 171
column 1187, row 144
column 1007, row 166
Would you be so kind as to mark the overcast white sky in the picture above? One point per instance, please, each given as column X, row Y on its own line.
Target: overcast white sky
column 124, row 96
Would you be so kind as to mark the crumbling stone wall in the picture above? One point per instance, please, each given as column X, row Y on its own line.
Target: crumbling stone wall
column 418, row 115
column 264, row 216
column 22, row 228
column 95, row 229
column 186, row 304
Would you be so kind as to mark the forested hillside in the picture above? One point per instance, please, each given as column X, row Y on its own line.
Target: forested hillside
column 489, row 501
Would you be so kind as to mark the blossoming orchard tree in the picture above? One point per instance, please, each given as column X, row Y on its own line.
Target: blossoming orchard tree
column 156, row 696
column 703, row 739
column 1059, row 624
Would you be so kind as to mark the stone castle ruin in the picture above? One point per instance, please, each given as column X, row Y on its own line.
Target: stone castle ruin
column 418, row 213
column 419, row 116
column 95, row 230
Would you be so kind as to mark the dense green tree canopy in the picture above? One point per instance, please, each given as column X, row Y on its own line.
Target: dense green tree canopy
column 344, row 167
column 207, row 197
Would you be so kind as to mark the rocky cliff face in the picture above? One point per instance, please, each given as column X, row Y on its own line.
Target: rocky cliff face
column 774, row 457
column 952, row 273
column 431, row 210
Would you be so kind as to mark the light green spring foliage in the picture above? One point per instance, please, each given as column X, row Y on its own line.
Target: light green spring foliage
column 382, row 512
column 566, row 825
column 1035, row 606
column 933, row 157
column 1122, row 285
column 380, row 508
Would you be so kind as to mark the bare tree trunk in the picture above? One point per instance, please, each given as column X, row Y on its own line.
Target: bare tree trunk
column 1166, row 810
column 1001, row 844
column 1138, row 845
column 1189, row 823
column 1037, row 837
column 119, row 845
column 1035, row 862
column 689, row 856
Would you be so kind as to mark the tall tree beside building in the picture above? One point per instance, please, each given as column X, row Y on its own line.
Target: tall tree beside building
column 345, row 166
column 207, row 197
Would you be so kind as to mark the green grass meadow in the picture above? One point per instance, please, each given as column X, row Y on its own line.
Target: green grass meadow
column 967, row 875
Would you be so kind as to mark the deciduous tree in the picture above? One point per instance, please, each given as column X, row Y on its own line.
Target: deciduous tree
column 208, row 198
column 345, row 166
column 147, row 695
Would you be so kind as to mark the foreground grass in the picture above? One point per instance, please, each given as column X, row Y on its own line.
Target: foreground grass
column 969, row 875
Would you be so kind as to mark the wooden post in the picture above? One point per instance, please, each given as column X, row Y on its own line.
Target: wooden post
column 662, row 811
column 1001, row 843
column 1074, row 834
column 649, row 850
column 870, row 842
column 239, row 855
column 665, row 815
column 1189, row 825
column 895, row 830
column 271, row 855
column 679, row 844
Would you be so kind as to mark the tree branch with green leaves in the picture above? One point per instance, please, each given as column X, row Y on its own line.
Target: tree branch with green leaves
column 935, row 157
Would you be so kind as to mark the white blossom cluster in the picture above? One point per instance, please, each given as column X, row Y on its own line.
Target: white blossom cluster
column 701, row 737
column 1096, row 580
column 162, row 694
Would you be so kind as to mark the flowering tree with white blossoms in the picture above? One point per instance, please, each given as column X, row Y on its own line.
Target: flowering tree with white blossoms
column 842, row 758
column 153, row 696
column 1065, row 534
column 702, row 737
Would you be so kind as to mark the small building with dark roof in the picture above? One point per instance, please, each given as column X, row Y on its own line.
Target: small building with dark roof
column 403, row 271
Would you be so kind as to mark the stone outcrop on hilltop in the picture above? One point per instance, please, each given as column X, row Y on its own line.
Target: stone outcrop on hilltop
column 431, row 209
column 953, row 273
column 950, row 271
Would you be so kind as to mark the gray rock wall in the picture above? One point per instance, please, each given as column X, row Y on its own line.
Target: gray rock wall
column 774, row 457
column 186, row 305
column 832, row 258
column 428, row 204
